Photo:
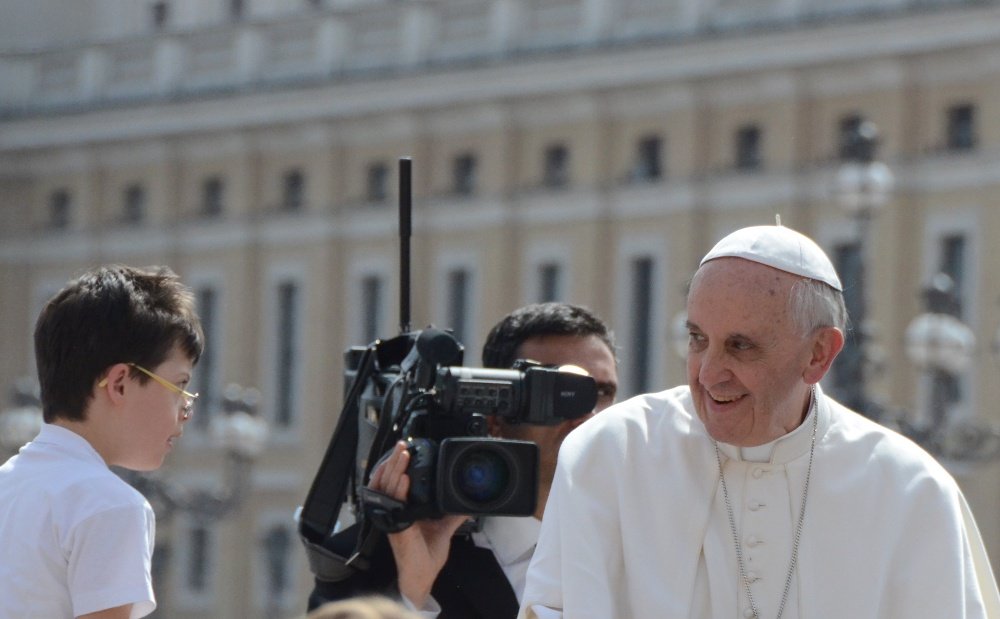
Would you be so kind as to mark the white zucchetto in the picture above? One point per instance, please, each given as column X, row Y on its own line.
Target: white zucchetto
column 780, row 248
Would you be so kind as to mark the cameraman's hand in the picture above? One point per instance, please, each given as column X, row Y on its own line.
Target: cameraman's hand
column 421, row 549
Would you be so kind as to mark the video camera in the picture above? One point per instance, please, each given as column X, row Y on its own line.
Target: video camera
column 413, row 387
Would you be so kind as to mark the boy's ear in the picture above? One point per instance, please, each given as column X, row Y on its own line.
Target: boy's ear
column 113, row 382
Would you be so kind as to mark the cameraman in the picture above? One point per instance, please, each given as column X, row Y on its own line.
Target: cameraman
column 483, row 575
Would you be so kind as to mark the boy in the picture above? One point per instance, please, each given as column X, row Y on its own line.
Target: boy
column 114, row 350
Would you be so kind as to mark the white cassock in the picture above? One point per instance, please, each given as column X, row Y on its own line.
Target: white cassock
column 636, row 525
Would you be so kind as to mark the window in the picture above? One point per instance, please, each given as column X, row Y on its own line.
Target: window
column 293, row 190
column 458, row 303
column 549, row 282
column 642, row 314
column 378, row 182
column 556, row 162
column 953, row 265
column 371, row 304
column 748, row 148
column 160, row 14
column 847, row 131
column 648, row 159
column 60, row 205
column 199, row 550
column 277, row 546
column 464, row 174
column 206, row 300
column 287, row 352
column 962, row 127
column 212, row 196
column 134, row 210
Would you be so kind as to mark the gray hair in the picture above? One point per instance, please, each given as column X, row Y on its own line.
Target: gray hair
column 813, row 304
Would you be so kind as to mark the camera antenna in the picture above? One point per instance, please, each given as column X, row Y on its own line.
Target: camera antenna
column 405, row 208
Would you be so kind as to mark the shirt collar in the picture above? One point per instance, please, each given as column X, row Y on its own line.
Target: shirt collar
column 793, row 445
column 512, row 538
column 67, row 441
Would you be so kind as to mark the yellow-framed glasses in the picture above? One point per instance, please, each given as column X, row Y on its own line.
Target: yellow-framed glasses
column 189, row 397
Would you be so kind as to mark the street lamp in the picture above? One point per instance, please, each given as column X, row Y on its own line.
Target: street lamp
column 863, row 187
column 943, row 347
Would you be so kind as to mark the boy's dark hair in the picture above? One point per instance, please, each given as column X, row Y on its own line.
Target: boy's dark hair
column 539, row 320
column 111, row 314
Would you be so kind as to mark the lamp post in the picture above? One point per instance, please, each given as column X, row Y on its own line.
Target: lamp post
column 943, row 347
column 863, row 187
column 22, row 422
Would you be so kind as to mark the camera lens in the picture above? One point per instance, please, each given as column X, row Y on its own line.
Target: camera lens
column 482, row 476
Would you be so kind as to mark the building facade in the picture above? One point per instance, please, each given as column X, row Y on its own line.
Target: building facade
column 580, row 150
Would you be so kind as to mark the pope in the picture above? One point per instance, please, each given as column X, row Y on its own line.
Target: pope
column 749, row 492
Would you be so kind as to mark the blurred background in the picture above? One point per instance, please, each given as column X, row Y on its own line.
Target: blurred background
column 581, row 150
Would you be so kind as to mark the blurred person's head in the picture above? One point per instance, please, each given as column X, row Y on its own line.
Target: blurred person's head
column 370, row 607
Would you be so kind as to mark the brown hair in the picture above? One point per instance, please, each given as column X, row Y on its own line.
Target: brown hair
column 111, row 314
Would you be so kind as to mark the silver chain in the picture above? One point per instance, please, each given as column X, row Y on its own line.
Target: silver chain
column 798, row 527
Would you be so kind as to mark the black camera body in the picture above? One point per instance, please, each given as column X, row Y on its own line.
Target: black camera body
column 441, row 411
column 414, row 388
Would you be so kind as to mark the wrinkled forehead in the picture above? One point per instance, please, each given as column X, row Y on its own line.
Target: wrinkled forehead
column 735, row 297
column 752, row 286
column 729, row 268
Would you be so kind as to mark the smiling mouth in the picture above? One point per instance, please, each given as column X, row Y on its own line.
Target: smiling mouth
column 725, row 399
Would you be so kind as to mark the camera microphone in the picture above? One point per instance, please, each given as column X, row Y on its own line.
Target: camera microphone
column 432, row 349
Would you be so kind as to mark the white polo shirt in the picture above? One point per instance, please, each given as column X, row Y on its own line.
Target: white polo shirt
column 74, row 537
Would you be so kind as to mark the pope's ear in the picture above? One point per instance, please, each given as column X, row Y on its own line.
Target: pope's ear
column 827, row 342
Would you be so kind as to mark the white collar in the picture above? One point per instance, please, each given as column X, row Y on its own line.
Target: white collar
column 512, row 538
column 786, row 448
column 67, row 441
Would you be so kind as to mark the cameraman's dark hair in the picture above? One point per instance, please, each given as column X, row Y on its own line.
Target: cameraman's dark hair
column 539, row 320
column 111, row 314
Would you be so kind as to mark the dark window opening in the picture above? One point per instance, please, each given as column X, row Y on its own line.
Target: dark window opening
column 748, row 155
column 134, row 209
column 556, row 171
column 60, row 205
column 212, row 196
column 464, row 174
column 962, row 127
column 293, row 191
column 378, row 182
column 648, row 159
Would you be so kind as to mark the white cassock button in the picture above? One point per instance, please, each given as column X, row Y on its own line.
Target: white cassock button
column 753, row 576
column 754, row 505
column 748, row 613
column 753, row 540
column 758, row 473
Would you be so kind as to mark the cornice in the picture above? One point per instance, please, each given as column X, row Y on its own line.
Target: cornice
column 523, row 79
